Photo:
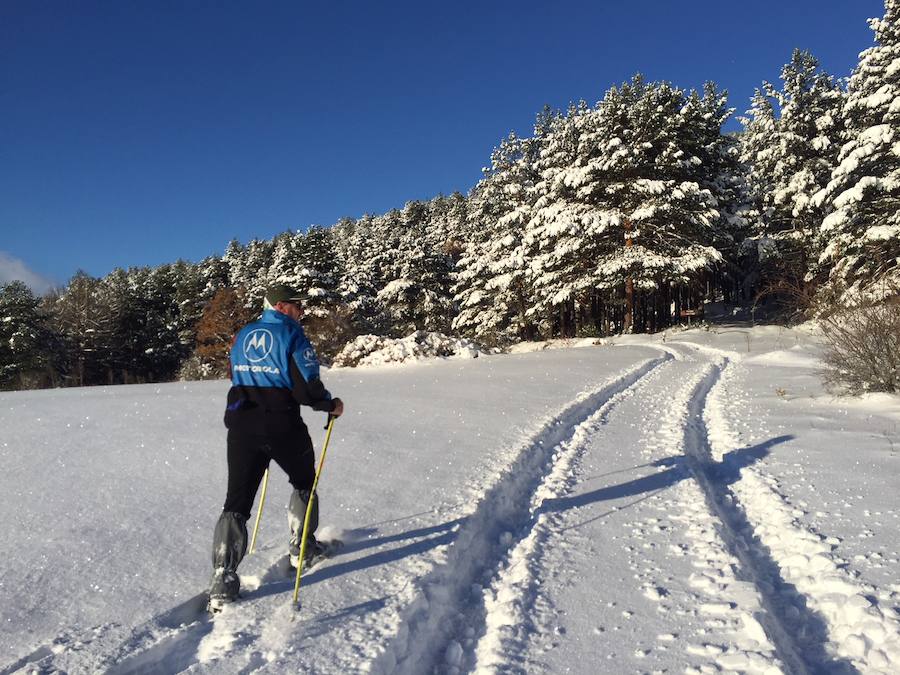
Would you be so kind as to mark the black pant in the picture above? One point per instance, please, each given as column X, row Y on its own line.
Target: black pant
column 249, row 455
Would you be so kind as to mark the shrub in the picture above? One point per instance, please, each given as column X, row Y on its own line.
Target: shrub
column 863, row 347
column 329, row 331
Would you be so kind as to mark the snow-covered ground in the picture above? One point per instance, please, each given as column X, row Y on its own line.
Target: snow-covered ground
column 690, row 502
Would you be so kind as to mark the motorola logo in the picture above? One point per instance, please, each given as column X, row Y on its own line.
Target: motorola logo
column 258, row 345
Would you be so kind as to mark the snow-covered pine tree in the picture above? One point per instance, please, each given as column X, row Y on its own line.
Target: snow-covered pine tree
column 633, row 207
column 25, row 338
column 213, row 271
column 79, row 316
column 248, row 268
column 168, row 296
column 308, row 262
column 359, row 280
column 443, row 223
column 566, row 230
column 322, row 269
column 664, row 187
column 384, row 267
column 189, row 284
column 142, row 329
column 122, row 328
column 790, row 159
column 757, row 154
column 492, row 285
column 448, row 224
column 479, row 315
column 809, row 133
column 416, row 295
column 285, row 257
column 720, row 171
column 861, row 232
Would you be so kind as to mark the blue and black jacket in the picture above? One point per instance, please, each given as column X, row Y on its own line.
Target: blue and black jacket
column 274, row 370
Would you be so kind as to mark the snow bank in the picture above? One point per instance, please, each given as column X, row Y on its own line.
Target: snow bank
column 375, row 350
column 795, row 357
column 567, row 343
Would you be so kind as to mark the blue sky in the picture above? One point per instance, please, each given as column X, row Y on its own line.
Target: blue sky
column 140, row 132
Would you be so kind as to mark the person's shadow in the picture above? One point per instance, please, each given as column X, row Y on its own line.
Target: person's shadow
column 724, row 473
column 421, row 540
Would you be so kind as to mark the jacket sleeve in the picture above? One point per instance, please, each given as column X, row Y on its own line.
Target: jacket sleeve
column 306, row 385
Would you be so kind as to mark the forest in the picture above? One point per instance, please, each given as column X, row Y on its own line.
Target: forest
column 626, row 215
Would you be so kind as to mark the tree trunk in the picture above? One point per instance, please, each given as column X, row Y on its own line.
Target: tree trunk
column 629, row 287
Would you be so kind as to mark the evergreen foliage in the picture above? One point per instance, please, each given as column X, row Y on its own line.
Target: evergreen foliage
column 861, row 233
column 26, row 339
column 492, row 281
column 790, row 157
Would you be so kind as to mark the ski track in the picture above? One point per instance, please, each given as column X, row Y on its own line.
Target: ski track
column 729, row 606
column 514, row 606
column 439, row 628
column 777, row 595
column 836, row 620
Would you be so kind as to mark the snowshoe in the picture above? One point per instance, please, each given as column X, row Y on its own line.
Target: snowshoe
column 316, row 552
column 223, row 590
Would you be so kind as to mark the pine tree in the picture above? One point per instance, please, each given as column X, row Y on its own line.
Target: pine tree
column 565, row 229
column 166, row 298
column 415, row 294
column 248, row 268
column 492, row 284
column 790, row 159
column 449, row 224
column 630, row 199
column 719, row 170
column 25, row 338
column 191, row 293
column 757, row 154
column 355, row 245
column 317, row 272
column 862, row 230
column 80, row 318
column 213, row 272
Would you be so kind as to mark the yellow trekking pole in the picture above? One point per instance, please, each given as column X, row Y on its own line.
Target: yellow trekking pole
column 309, row 505
column 262, row 502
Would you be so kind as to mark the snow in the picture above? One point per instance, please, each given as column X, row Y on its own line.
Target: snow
column 375, row 350
column 882, row 233
column 688, row 502
column 856, row 194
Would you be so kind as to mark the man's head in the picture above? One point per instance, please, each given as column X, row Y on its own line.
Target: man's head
column 284, row 299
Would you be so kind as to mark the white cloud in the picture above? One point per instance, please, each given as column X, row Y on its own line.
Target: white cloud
column 13, row 269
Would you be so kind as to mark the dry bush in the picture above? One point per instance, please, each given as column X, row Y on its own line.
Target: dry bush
column 863, row 347
column 330, row 332
column 792, row 297
column 223, row 316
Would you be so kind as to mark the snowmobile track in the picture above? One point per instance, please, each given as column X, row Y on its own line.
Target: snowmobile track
column 434, row 624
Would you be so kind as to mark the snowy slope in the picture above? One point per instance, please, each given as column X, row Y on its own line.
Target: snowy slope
column 683, row 503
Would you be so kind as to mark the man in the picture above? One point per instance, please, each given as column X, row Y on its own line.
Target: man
column 274, row 370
